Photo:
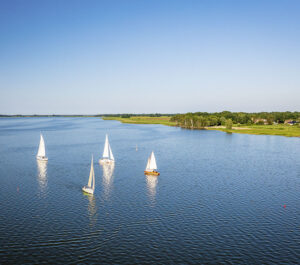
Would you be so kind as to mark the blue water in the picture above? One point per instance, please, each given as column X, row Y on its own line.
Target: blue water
column 220, row 197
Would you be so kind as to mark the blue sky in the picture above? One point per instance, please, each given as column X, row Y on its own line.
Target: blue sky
column 141, row 56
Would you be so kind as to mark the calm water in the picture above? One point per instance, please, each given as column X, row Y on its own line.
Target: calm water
column 220, row 197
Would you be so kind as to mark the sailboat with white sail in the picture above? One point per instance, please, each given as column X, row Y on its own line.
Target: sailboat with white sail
column 41, row 154
column 90, row 188
column 107, row 157
column 151, row 168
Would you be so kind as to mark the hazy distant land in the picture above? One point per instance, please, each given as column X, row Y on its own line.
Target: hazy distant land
column 262, row 123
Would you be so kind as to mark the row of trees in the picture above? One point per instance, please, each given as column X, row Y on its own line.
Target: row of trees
column 200, row 120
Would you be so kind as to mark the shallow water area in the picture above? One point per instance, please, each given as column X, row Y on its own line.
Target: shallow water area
column 220, row 197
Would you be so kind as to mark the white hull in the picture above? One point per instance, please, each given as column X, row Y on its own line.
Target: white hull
column 88, row 190
column 106, row 161
column 42, row 158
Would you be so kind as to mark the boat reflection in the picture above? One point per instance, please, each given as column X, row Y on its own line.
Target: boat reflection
column 42, row 176
column 92, row 209
column 108, row 170
column 151, row 185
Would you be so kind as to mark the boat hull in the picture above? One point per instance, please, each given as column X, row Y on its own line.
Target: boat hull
column 88, row 190
column 153, row 173
column 106, row 161
column 42, row 158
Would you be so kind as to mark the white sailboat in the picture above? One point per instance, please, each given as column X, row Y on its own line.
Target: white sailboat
column 151, row 168
column 41, row 154
column 90, row 188
column 107, row 157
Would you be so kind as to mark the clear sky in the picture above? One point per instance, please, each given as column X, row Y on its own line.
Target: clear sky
column 88, row 57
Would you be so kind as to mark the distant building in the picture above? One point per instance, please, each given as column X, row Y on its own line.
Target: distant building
column 264, row 121
column 290, row 122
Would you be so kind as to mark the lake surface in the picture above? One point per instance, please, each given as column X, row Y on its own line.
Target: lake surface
column 228, row 198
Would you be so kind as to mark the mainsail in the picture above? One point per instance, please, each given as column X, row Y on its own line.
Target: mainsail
column 107, row 153
column 111, row 156
column 92, row 176
column 41, row 151
column 148, row 164
column 106, row 148
column 151, row 164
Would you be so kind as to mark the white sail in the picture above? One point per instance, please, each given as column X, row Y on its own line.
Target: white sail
column 93, row 187
column 41, row 151
column 148, row 164
column 91, row 183
column 152, row 165
column 111, row 156
column 106, row 148
column 107, row 153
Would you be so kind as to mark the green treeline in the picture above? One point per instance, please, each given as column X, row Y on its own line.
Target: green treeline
column 199, row 120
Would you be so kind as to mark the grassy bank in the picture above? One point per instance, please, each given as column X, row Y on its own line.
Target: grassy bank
column 281, row 129
column 164, row 120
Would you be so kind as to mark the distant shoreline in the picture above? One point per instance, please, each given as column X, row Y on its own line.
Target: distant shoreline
column 278, row 130
column 46, row 116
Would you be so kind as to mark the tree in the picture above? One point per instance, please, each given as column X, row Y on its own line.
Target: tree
column 270, row 119
column 223, row 121
column 125, row 116
column 229, row 124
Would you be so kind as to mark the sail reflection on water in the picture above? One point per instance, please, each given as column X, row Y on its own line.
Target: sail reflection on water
column 108, row 170
column 92, row 209
column 42, row 176
column 151, row 185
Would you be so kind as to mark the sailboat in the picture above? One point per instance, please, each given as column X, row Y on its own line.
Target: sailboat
column 41, row 154
column 151, row 168
column 90, row 188
column 107, row 157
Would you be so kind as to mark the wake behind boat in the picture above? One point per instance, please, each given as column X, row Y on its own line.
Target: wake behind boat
column 107, row 157
column 90, row 188
column 41, row 154
column 151, row 168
